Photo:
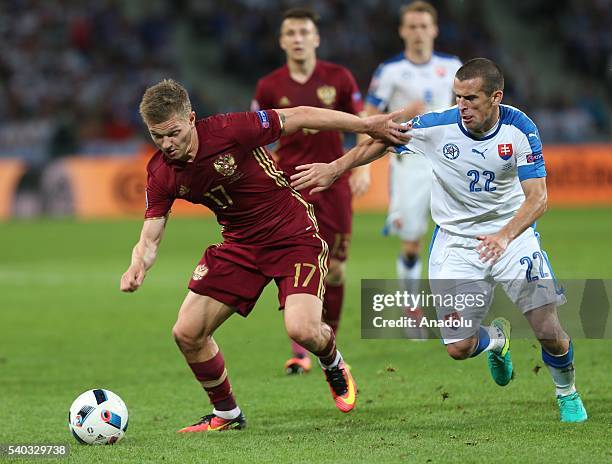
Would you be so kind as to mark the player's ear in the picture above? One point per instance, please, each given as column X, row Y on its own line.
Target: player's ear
column 192, row 118
column 280, row 38
column 317, row 40
column 497, row 96
column 400, row 31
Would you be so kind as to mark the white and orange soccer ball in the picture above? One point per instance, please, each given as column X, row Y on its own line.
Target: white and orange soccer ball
column 98, row 417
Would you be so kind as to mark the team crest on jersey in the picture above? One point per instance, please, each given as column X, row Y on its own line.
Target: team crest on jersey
column 450, row 151
column 327, row 94
column 183, row 190
column 441, row 71
column 505, row 151
column 454, row 316
column 284, row 101
column 200, row 271
column 225, row 165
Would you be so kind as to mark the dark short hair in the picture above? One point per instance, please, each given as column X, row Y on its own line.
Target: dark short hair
column 419, row 6
column 490, row 73
column 301, row 13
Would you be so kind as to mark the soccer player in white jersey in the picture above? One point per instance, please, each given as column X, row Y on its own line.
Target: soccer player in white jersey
column 419, row 80
column 489, row 187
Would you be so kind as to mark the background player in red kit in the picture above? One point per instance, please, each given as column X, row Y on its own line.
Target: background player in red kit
column 305, row 80
column 269, row 232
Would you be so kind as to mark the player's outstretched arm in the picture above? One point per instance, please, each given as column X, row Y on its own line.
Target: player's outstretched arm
column 143, row 254
column 381, row 127
column 360, row 178
column 321, row 175
column 491, row 247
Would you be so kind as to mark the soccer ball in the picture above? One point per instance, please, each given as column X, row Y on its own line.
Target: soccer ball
column 98, row 417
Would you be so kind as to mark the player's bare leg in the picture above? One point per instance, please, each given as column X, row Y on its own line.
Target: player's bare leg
column 408, row 268
column 198, row 318
column 462, row 349
column 304, row 325
column 558, row 355
column 493, row 339
column 300, row 362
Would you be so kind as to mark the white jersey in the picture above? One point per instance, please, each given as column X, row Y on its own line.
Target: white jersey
column 398, row 82
column 476, row 186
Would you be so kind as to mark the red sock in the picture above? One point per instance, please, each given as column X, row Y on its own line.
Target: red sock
column 298, row 350
column 213, row 377
column 328, row 354
column 334, row 296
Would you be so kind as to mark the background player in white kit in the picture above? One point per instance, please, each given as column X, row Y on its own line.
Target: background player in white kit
column 489, row 187
column 419, row 80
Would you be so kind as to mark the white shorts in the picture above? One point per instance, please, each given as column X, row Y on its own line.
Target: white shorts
column 410, row 196
column 523, row 271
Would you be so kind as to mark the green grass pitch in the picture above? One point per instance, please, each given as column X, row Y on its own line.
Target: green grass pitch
column 65, row 328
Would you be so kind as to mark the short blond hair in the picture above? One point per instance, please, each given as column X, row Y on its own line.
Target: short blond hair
column 420, row 7
column 163, row 100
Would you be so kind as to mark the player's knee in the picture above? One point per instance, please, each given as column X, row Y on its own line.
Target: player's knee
column 551, row 333
column 410, row 259
column 460, row 350
column 187, row 340
column 555, row 347
column 410, row 249
column 302, row 333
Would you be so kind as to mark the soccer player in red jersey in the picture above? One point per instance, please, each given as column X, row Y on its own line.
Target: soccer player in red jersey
column 269, row 232
column 305, row 80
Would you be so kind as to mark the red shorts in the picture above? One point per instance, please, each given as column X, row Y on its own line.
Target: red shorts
column 236, row 274
column 334, row 213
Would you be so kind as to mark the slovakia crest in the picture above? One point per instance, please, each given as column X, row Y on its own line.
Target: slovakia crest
column 440, row 71
column 450, row 151
column 225, row 165
column 505, row 151
column 454, row 316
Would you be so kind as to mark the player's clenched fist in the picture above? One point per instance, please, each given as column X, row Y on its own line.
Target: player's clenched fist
column 132, row 279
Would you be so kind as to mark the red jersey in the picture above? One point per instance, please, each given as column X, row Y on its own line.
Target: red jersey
column 330, row 86
column 236, row 178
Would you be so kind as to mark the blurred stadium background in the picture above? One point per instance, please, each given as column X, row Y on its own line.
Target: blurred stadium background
column 72, row 74
column 72, row 154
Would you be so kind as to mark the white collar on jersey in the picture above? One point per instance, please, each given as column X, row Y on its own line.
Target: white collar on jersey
column 486, row 134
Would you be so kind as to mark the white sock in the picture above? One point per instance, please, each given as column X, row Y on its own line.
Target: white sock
column 228, row 415
column 334, row 364
column 496, row 339
column 409, row 275
column 564, row 379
